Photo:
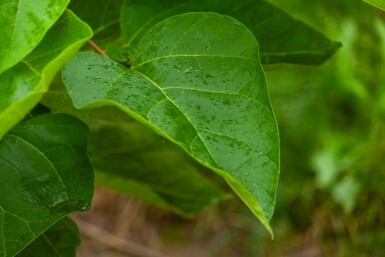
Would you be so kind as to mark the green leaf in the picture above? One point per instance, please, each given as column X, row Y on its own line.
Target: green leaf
column 60, row 240
column 130, row 158
column 23, row 86
column 99, row 14
column 197, row 80
column 103, row 19
column 23, row 24
column 47, row 175
column 282, row 38
column 377, row 3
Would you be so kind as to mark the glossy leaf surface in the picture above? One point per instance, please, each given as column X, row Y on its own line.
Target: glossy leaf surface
column 23, row 24
column 377, row 3
column 130, row 158
column 45, row 174
column 60, row 240
column 197, row 80
column 23, row 85
column 282, row 38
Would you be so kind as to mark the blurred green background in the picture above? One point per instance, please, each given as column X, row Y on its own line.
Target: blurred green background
column 331, row 123
column 331, row 194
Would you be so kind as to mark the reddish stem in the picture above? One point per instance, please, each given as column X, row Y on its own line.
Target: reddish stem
column 96, row 48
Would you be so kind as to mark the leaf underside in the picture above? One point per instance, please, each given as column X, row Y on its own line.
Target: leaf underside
column 48, row 175
column 195, row 79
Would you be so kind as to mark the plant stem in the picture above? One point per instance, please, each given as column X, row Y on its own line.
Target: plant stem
column 96, row 48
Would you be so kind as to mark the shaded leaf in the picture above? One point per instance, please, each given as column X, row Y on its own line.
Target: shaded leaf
column 101, row 15
column 23, row 24
column 46, row 175
column 282, row 38
column 60, row 240
column 133, row 160
column 197, row 81
column 130, row 158
column 23, row 86
column 377, row 3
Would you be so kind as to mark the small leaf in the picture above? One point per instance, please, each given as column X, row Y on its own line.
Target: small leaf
column 23, row 24
column 282, row 38
column 377, row 3
column 48, row 175
column 60, row 240
column 197, row 80
column 24, row 85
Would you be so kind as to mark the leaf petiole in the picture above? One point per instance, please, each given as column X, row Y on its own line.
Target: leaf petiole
column 96, row 48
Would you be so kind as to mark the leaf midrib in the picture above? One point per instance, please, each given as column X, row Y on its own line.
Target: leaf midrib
column 176, row 106
column 196, row 130
column 198, row 134
column 10, row 134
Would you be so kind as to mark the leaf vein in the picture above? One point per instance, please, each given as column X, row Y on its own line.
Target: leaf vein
column 191, row 55
column 42, row 154
column 113, row 82
column 176, row 106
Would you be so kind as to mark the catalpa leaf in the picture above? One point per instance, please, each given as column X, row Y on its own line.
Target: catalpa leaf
column 23, row 85
column 196, row 80
column 282, row 38
column 23, row 24
column 60, row 240
column 45, row 174
column 130, row 158
column 377, row 3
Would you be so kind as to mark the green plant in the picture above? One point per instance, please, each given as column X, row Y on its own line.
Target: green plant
column 190, row 71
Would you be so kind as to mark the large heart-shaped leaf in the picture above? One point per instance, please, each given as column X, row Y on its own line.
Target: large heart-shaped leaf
column 377, row 3
column 130, row 158
column 23, row 86
column 60, row 240
column 282, row 38
column 45, row 174
column 197, row 80
column 23, row 24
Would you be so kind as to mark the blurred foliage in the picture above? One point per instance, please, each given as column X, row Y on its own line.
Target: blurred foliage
column 331, row 120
